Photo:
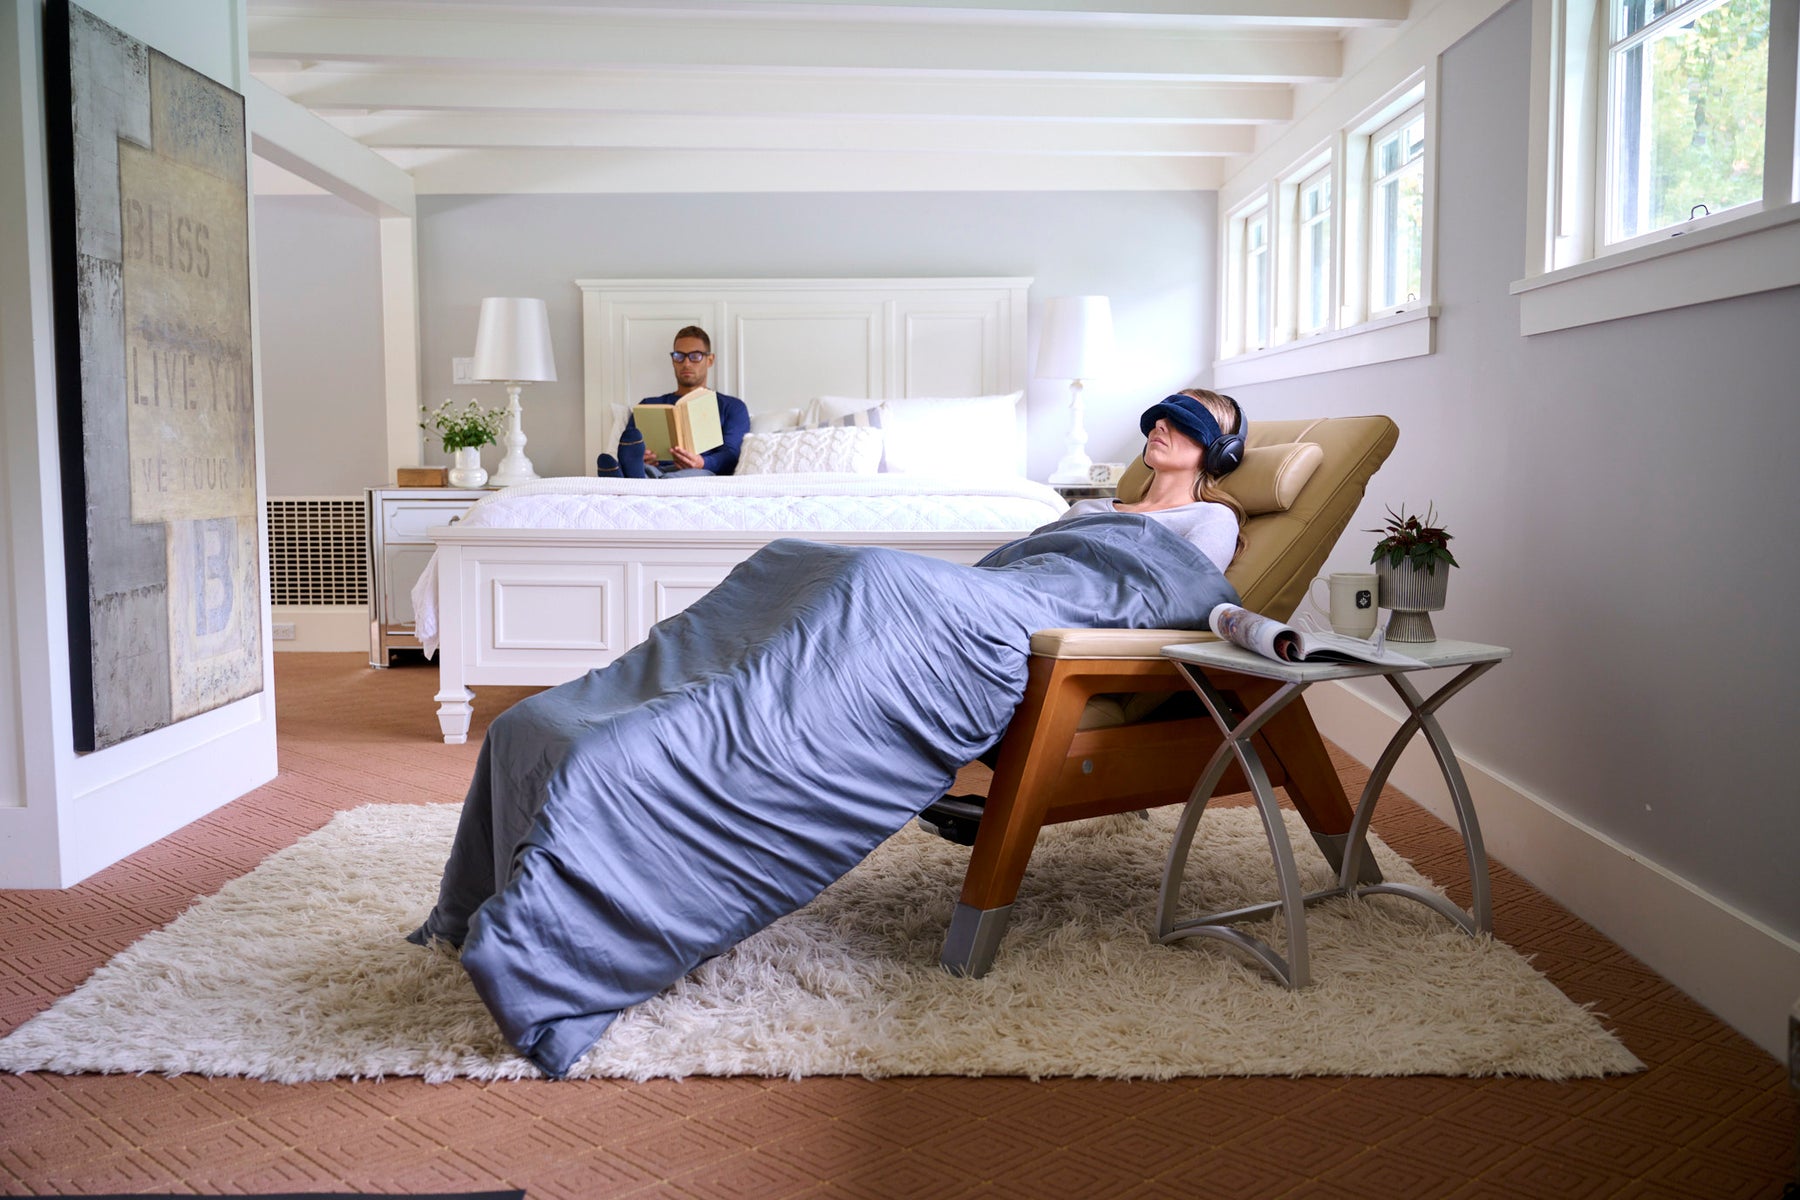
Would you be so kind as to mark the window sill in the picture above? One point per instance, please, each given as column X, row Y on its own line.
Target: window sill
column 1756, row 253
column 1404, row 335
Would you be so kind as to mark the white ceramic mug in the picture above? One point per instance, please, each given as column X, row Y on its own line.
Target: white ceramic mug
column 1352, row 610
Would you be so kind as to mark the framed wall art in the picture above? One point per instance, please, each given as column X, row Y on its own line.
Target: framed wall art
column 157, row 425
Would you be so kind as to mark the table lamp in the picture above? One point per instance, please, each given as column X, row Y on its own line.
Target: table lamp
column 1076, row 345
column 512, row 346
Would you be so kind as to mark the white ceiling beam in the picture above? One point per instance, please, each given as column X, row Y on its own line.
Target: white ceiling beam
column 488, row 172
column 1293, row 13
column 304, row 144
column 527, row 40
column 752, row 93
column 1332, row 13
column 846, row 134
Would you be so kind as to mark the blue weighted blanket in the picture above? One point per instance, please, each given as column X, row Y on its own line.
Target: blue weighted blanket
column 628, row 825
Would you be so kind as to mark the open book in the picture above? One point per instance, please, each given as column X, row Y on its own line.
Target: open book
column 1283, row 643
column 692, row 423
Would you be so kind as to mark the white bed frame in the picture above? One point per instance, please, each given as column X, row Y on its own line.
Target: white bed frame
column 537, row 607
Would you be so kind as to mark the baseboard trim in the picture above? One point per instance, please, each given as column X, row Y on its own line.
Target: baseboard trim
column 1746, row 973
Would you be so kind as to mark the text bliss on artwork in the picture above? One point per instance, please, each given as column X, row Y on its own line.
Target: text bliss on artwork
column 166, row 239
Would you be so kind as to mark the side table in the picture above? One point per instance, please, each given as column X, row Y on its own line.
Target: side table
column 398, row 550
column 1086, row 491
column 1195, row 660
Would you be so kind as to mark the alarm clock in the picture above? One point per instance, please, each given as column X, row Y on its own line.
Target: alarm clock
column 1106, row 474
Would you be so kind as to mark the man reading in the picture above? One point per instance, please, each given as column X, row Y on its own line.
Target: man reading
column 692, row 358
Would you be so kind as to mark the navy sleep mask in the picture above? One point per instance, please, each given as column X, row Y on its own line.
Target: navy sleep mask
column 1224, row 451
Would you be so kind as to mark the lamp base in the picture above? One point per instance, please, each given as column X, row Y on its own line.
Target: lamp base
column 515, row 468
column 1075, row 464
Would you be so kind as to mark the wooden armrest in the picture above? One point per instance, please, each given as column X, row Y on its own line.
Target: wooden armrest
column 1111, row 643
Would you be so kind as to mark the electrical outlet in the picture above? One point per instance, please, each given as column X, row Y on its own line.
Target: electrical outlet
column 282, row 631
column 462, row 370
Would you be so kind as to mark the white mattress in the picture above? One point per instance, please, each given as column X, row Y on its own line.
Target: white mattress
column 777, row 503
column 780, row 505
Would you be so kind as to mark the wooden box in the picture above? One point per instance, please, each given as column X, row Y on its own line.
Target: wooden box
column 422, row 476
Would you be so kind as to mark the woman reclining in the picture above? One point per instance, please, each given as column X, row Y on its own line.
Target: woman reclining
column 628, row 825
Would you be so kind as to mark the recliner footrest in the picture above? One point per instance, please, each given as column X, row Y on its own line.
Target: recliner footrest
column 955, row 818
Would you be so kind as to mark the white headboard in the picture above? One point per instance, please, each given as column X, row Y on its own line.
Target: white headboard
column 777, row 343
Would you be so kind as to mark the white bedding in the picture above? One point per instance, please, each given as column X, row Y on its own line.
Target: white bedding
column 778, row 504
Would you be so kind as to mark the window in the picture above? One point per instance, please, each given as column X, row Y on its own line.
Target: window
column 1686, row 112
column 1397, row 212
column 1328, row 262
column 1318, row 295
column 1256, row 280
column 1247, row 277
column 1662, row 168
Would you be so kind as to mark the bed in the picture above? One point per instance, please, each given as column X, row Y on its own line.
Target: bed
column 538, row 585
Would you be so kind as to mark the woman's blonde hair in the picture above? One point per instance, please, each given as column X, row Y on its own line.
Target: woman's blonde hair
column 1206, row 487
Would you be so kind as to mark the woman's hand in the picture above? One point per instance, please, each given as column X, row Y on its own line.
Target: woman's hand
column 686, row 459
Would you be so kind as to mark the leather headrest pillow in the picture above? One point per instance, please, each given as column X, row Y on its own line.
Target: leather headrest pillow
column 1267, row 481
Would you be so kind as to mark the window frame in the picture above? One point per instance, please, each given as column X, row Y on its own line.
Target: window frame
column 1354, row 334
column 1320, row 171
column 1388, row 128
column 1573, row 277
column 1235, row 315
column 1605, row 175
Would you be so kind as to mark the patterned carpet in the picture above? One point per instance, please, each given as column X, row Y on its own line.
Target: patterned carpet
column 1710, row 1117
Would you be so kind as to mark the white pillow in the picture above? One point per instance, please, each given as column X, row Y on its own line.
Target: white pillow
column 842, row 410
column 774, row 420
column 970, row 434
column 793, row 451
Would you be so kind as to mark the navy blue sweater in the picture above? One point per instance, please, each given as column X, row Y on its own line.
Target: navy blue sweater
column 734, row 420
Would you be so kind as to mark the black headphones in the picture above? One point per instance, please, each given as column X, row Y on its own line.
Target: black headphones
column 1226, row 453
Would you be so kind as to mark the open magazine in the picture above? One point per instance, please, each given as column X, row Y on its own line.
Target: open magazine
column 1284, row 643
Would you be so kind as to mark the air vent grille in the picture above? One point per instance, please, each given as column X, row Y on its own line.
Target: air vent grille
column 316, row 552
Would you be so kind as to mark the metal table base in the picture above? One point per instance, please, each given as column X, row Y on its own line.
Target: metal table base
column 1239, row 728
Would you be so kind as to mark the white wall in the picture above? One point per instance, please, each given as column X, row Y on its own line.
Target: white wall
column 1151, row 252
column 1621, row 497
column 81, row 813
column 318, row 263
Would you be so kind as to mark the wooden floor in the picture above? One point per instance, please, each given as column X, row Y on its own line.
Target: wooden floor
column 1711, row 1118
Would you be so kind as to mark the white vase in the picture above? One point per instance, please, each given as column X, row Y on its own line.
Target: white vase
column 467, row 473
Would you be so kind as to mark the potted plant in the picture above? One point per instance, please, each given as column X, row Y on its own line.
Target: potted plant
column 1408, row 579
column 463, row 432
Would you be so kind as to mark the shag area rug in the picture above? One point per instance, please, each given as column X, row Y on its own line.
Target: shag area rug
column 298, row 971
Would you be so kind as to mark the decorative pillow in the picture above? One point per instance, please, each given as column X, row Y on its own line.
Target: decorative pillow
column 861, row 418
column 932, row 433
column 1267, row 481
column 836, row 448
column 1270, row 477
column 843, row 410
column 775, row 420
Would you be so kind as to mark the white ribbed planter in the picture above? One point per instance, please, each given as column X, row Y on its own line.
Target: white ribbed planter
column 1412, row 595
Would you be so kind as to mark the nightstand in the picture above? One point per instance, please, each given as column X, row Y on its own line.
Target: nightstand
column 399, row 549
column 1085, row 491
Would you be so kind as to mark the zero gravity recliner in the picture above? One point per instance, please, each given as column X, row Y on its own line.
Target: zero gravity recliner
column 1088, row 739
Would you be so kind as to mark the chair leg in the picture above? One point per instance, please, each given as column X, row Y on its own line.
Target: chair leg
column 1013, row 816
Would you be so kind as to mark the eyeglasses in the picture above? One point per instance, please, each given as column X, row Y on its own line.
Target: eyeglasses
column 690, row 356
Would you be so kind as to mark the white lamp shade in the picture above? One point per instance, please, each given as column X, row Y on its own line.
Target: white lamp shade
column 512, row 341
column 1077, row 341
